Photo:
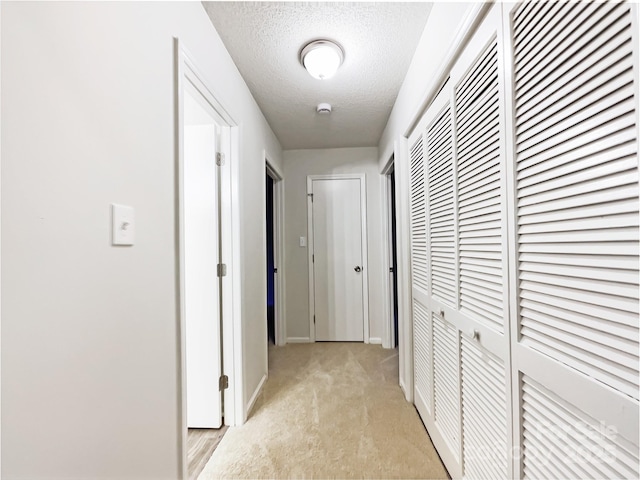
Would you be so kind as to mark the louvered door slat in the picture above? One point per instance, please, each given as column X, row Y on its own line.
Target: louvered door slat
column 422, row 353
column 484, row 413
column 577, row 190
column 575, row 33
column 619, row 261
column 579, row 97
column 446, row 386
column 601, row 317
column 419, row 260
column 487, row 187
column 580, row 445
column 565, row 182
column 572, row 204
column 489, row 222
column 530, row 21
column 606, row 273
column 622, row 350
column 544, row 25
column 574, row 63
column 611, row 335
column 599, row 129
column 522, row 16
column 479, row 193
column 441, row 226
column 612, row 293
column 474, row 169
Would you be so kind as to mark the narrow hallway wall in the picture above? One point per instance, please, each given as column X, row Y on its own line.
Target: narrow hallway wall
column 297, row 165
column 90, row 385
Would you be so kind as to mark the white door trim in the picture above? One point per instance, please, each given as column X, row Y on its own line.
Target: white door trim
column 403, row 233
column 365, row 263
column 187, row 72
column 387, row 287
column 278, row 248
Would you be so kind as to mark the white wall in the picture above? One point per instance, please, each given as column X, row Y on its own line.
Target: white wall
column 442, row 27
column 90, row 331
column 297, row 165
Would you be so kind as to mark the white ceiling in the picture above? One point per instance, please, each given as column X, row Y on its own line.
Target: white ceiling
column 379, row 39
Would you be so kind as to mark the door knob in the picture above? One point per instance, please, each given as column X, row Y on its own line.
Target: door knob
column 358, row 269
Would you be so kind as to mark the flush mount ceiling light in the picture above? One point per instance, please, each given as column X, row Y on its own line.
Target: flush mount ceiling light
column 322, row 58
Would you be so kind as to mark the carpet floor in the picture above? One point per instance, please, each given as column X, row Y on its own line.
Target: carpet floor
column 329, row 410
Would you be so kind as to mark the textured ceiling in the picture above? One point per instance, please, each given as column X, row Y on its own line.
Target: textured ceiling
column 379, row 39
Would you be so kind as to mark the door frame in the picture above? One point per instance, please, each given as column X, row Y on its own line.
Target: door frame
column 403, row 236
column 278, row 248
column 310, row 247
column 185, row 72
column 388, row 340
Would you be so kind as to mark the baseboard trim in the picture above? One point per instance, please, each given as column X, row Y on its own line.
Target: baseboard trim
column 255, row 396
column 375, row 340
column 298, row 340
column 407, row 396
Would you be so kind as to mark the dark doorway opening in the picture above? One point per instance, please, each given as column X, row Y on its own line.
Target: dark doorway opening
column 394, row 255
column 271, row 330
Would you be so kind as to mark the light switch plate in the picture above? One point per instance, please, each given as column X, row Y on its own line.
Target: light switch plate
column 122, row 225
column 303, row 241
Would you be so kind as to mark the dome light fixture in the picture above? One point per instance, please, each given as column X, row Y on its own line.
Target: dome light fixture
column 322, row 58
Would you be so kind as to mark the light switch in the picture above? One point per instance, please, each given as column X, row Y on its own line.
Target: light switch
column 122, row 225
column 303, row 241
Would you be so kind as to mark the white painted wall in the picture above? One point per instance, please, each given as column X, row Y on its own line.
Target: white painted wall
column 442, row 27
column 89, row 331
column 297, row 165
column 445, row 22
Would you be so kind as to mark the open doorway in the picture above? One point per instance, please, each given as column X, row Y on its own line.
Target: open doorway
column 207, row 237
column 271, row 268
column 393, row 277
column 274, row 253
column 391, row 340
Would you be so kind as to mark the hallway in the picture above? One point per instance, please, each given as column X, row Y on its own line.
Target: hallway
column 329, row 410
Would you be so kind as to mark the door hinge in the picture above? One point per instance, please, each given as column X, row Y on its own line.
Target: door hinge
column 313, row 258
column 314, row 319
column 223, row 382
column 219, row 159
column 310, row 195
column 222, row 269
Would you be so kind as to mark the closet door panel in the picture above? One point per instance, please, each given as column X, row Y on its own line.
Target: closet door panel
column 575, row 193
column 480, row 194
column 446, row 383
column 422, row 326
column 484, row 413
column 482, row 315
column 442, row 234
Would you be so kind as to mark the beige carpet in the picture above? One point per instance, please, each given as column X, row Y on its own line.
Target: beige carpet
column 329, row 410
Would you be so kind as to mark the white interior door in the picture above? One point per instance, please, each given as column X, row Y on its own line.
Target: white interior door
column 337, row 259
column 200, row 240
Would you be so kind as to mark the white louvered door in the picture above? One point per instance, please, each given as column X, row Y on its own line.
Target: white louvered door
column 422, row 325
column 462, row 270
column 575, row 233
column 525, row 247
column 482, row 314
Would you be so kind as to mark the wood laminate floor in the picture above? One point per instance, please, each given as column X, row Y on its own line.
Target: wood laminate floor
column 201, row 443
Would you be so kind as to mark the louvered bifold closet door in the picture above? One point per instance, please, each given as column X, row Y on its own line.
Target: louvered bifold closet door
column 422, row 327
column 434, row 264
column 482, row 314
column 575, row 188
column 442, row 225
